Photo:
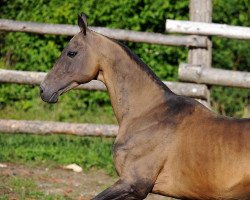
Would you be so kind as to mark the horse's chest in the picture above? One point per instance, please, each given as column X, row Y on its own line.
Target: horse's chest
column 135, row 154
column 134, row 150
column 123, row 153
column 119, row 156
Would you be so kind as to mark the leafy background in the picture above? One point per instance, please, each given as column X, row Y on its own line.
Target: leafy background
column 27, row 51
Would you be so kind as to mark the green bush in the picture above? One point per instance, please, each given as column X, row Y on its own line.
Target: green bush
column 26, row 51
column 231, row 54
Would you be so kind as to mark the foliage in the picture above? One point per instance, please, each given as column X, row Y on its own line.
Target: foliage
column 231, row 54
column 18, row 103
column 27, row 51
column 232, row 101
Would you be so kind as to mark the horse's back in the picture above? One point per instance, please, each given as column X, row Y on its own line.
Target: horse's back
column 209, row 159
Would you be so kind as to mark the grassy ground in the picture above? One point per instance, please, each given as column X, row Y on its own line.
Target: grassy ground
column 21, row 182
column 54, row 150
column 25, row 188
column 42, row 182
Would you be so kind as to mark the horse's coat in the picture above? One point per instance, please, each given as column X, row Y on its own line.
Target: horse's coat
column 167, row 144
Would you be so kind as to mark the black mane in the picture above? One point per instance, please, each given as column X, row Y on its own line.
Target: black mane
column 141, row 64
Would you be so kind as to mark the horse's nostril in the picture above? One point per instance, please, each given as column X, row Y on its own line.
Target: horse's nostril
column 41, row 89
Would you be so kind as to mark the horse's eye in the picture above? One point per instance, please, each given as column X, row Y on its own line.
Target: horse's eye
column 71, row 54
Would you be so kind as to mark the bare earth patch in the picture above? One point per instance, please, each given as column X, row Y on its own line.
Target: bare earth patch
column 57, row 181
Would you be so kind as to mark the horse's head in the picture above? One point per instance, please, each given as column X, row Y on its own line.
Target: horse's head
column 76, row 65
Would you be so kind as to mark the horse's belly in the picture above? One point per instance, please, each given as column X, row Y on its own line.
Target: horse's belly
column 187, row 186
column 164, row 185
column 167, row 185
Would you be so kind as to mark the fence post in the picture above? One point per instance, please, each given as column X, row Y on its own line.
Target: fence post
column 201, row 11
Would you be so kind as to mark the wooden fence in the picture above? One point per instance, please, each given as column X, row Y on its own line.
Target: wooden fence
column 49, row 127
column 198, row 91
column 212, row 76
column 198, row 70
column 126, row 35
column 201, row 28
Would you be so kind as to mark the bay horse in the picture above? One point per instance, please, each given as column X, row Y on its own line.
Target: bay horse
column 167, row 144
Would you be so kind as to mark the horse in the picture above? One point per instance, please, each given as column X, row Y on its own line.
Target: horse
column 166, row 144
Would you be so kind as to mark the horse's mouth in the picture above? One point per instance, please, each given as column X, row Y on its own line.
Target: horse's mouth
column 54, row 97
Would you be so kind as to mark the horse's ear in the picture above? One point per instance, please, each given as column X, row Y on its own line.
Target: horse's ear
column 82, row 22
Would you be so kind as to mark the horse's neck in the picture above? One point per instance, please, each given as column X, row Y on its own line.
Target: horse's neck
column 133, row 90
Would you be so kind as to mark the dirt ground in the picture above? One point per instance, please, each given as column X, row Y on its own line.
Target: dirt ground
column 59, row 181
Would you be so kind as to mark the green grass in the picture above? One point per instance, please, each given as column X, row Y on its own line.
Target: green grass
column 57, row 150
column 23, row 188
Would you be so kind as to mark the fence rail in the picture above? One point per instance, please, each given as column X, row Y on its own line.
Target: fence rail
column 213, row 76
column 48, row 127
column 201, row 28
column 119, row 34
column 199, row 91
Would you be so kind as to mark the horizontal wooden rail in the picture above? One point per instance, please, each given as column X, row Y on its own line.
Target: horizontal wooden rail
column 214, row 76
column 200, row 28
column 119, row 34
column 49, row 127
column 34, row 78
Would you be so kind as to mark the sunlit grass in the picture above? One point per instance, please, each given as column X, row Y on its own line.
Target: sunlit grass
column 57, row 150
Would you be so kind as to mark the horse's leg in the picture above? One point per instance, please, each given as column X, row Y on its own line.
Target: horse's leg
column 122, row 190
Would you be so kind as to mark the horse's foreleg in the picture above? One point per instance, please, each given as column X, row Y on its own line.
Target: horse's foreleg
column 121, row 190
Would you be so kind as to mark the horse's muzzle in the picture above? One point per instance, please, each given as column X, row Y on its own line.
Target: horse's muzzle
column 48, row 96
